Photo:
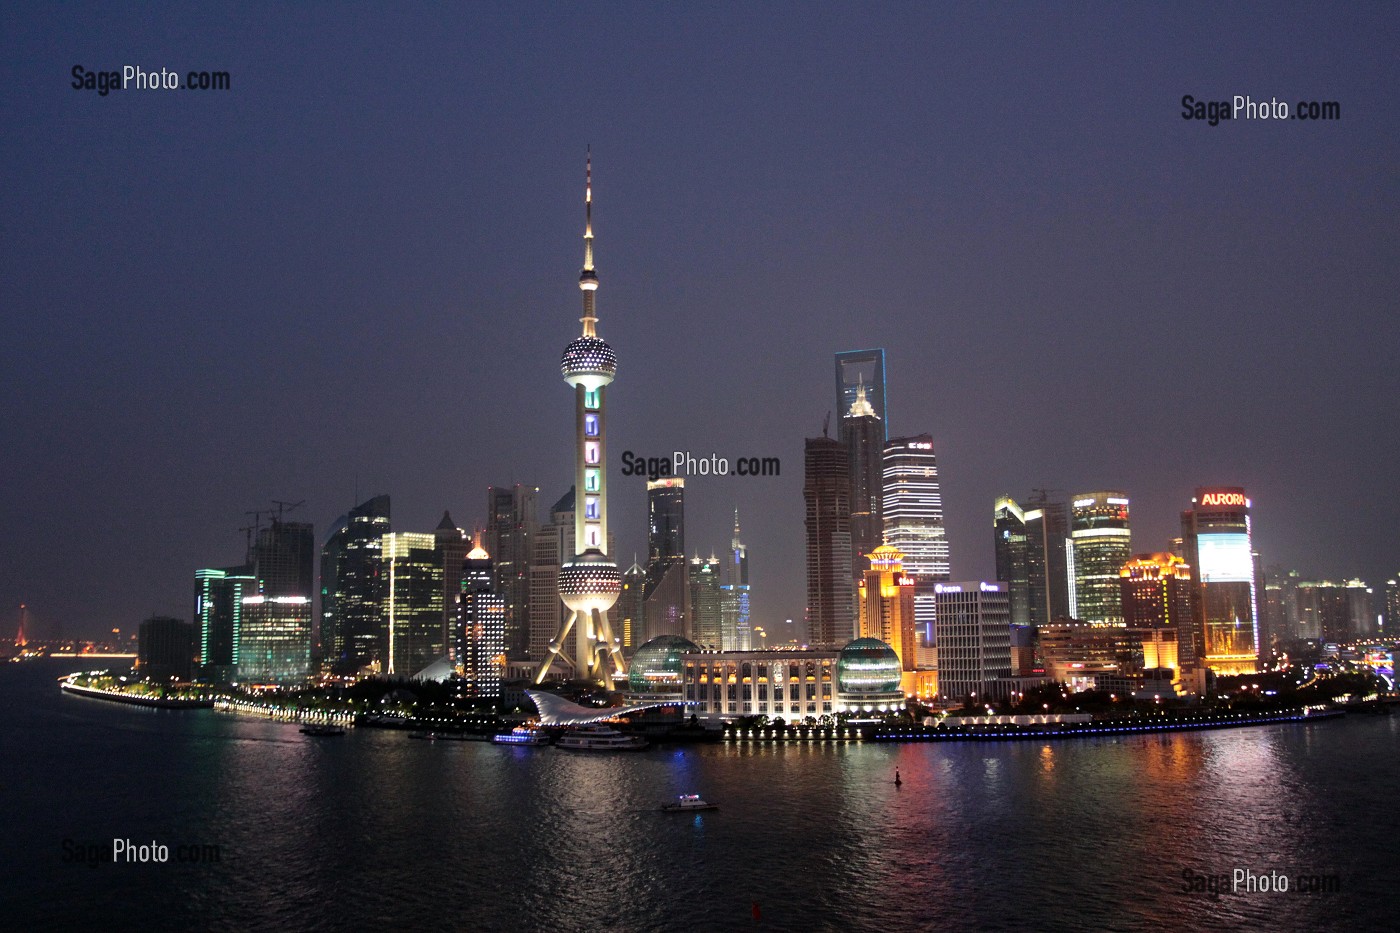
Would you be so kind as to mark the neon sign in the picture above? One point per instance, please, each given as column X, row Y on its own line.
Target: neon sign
column 1224, row 498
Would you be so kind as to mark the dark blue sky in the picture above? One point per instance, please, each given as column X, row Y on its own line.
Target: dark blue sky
column 357, row 268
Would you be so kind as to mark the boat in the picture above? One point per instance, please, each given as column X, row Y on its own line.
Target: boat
column 685, row 803
column 598, row 738
column 521, row 735
column 319, row 728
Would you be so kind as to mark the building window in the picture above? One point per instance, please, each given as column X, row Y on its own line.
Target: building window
column 590, row 509
column 590, row 399
column 590, row 425
column 592, row 480
column 592, row 453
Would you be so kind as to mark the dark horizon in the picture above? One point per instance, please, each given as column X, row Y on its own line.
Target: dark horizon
column 356, row 268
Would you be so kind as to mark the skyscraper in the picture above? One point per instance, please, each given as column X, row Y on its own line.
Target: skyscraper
column 826, row 491
column 666, row 596
column 412, row 571
column 1009, row 530
column 590, row 583
column 1047, row 570
column 1215, row 533
column 452, row 546
column 481, row 632
column 512, row 521
column 218, row 618
column 706, row 602
column 738, row 630
column 1101, row 544
column 913, row 519
column 863, row 433
column 887, row 604
column 553, row 545
column 974, row 639
column 1157, row 610
column 274, row 644
column 352, row 591
column 631, row 607
column 857, row 368
column 165, row 648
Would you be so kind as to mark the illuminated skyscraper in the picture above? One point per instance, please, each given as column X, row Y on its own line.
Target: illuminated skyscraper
column 553, row 545
column 481, row 633
column 913, row 520
column 1392, row 607
column 411, row 567
column 666, row 597
column 631, row 607
column 738, row 630
column 1009, row 530
column 887, row 604
column 218, row 618
column 274, row 644
column 706, row 602
column 1216, row 537
column 1101, row 544
column 452, row 546
column 862, row 368
column 974, row 640
column 831, row 607
column 352, row 591
column 1157, row 610
column 590, row 583
column 512, row 521
column 863, row 433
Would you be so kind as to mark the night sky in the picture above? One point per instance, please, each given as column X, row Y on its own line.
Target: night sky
column 354, row 272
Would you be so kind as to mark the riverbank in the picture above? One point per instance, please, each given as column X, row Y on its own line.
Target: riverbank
column 1197, row 721
column 137, row 699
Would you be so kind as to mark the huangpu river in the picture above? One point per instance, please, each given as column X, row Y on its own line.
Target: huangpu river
column 375, row 831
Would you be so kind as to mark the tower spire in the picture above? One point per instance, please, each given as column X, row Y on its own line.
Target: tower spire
column 588, row 280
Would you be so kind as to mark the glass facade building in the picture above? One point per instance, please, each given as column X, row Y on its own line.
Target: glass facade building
column 352, row 592
column 1216, row 536
column 1101, row 543
column 826, row 490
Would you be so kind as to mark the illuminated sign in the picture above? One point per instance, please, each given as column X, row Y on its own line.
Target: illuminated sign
column 991, row 588
column 1082, row 503
column 946, row 588
column 906, row 581
column 1224, row 498
column 1116, row 501
column 1225, row 558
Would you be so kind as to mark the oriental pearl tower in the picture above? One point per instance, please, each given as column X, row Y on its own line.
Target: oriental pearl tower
column 590, row 583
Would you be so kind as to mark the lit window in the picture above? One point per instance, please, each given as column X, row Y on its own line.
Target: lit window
column 590, row 399
column 591, row 452
column 592, row 480
column 590, row 425
column 590, row 510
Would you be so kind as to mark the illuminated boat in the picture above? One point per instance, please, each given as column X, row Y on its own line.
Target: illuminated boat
column 599, row 738
column 685, row 803
column 521, row 735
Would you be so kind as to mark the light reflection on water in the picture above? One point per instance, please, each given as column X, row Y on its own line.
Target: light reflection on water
column 374, row 829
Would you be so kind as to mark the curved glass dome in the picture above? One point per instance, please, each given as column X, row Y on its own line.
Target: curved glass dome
column 867, row 665
column 656, row 667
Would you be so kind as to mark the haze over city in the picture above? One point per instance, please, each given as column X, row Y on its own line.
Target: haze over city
column 353, row 272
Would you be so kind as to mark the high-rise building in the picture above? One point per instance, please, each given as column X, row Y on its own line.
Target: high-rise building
column 552, row 546
column 1101, row 543
column 738, row 630
column 165, row 648
column 1047, row 569
column 887, row 605
column 218, row 618
column 863, row 433
column 1215, row 535
column 826, row 490
column 1009, row 531
column 590, row 583
column 913, row 521
column 453, row 545
column 706, row 602
column 412, row 571
column 481, row 631
column 862, row 373
column 274, row 644
column 512, row 521
column 974, row 639
column 631, row 606
column 1392, row 606
column 352, row 591
column 666, row 596
column 1157, row 609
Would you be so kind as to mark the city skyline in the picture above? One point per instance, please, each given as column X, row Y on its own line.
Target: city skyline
column 193, row 339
